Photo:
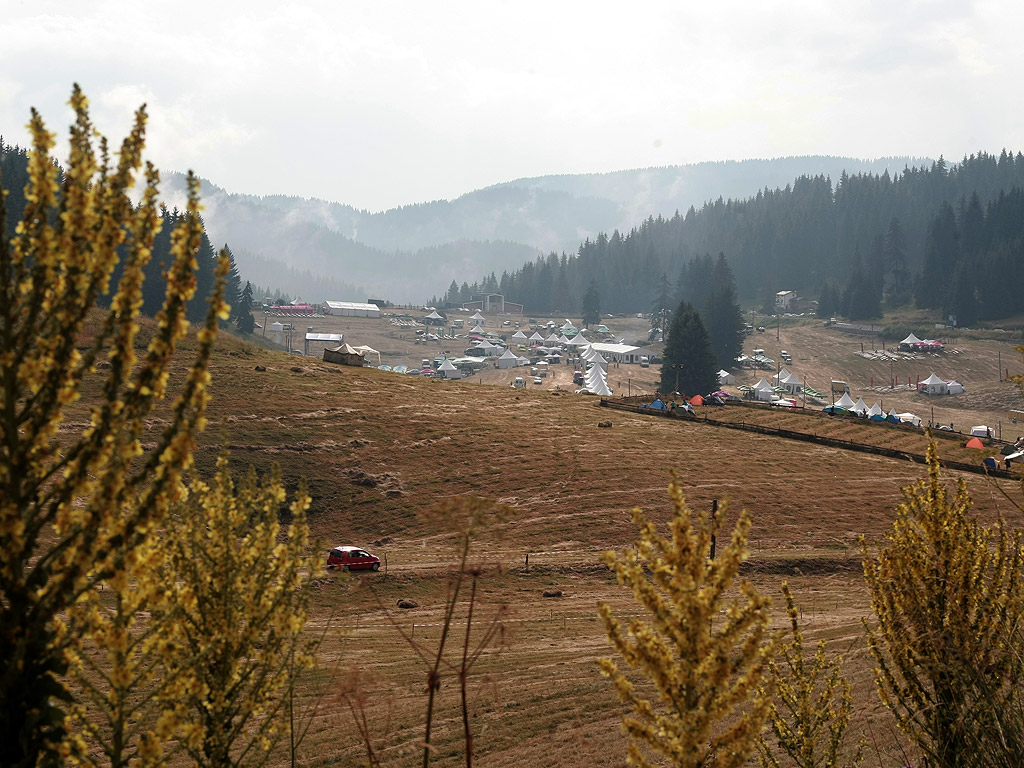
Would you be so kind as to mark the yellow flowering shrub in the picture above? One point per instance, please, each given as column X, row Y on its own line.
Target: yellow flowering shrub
column 702, row 645
column 947, row 597
column 241, row 601
column 811, row 704
column 75, row 510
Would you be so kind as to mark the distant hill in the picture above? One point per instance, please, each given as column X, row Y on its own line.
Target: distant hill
column 405, row 254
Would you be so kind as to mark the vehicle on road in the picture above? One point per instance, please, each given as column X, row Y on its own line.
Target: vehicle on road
column 352, row 559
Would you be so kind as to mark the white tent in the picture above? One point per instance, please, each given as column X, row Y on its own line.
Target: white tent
column 508, row 360
column 781, row 376
column 933, row 385
column 791, row 383
column 519, row 335
column 476, row 329
column 909, row 418
column 579, row 341
column 596, row 381
column 597, row 359
column 846, row 401
column 875, row 410
column 365, row 350
column 489, row 349
column 955, row 387
column 449, row 371
column 479, row 319
column 434, row 316
column 724, row 377
column 860, row 407
column 568, row 326
column 536, row 337
column 563, row 339
column 552, row 339
column 911, row 339
column 763, row 390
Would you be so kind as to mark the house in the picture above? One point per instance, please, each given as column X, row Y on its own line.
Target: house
column 784, row 300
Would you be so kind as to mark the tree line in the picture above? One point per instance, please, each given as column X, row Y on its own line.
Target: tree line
column 865, row 238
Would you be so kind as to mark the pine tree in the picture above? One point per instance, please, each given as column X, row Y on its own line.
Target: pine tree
column 688, row 360
column 245, row 321
column 232, row 284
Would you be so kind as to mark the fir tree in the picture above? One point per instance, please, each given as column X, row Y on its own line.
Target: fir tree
column 688, row 359
column 591, row 306
column 244, row 319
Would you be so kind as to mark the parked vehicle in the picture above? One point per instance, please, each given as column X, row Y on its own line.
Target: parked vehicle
column 352, row 559
column 538, row 380
column 644, row 362
column 518, row 382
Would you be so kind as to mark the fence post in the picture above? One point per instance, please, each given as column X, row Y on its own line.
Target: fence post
column 527, row 562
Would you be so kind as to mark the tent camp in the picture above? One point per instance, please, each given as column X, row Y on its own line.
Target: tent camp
column 933, row 385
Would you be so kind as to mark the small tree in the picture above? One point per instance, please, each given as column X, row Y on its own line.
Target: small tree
column 241, row 606
column 243, row 317
column 74, row 512
column 709, row 708
column 811, row 707
column 947, row 595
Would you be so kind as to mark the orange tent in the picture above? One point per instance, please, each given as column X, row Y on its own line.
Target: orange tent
column 696, row 400
column 975, row 443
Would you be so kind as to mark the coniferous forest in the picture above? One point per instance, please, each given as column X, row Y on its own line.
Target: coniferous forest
column 950, row 237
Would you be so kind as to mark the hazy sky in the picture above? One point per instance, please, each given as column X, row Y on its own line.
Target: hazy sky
column 378, row 104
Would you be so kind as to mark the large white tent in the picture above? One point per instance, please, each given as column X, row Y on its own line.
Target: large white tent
column 508, row 360
column 845, row 401
column 724, row 377
column 596, row 381
column 910, row 340
column 933, row 385
column 536, row 337
column 875, row 410
column 489, row 349
column 478, row 319
column 954, row 387
column 519, row 336
column 763, row 390
column 449, row 371
column 552, row 339
column 781, row 376
column 860, row 407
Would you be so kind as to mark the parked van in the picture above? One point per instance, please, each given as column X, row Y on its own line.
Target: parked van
column 645, row 362
column 518, row 383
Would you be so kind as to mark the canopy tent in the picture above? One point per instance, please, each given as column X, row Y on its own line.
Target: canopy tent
column 909, row 418
column 508, row 360
column 579, row 341
column 568, row 326
column 860, row 407
column 476, row 329
column 552, row 339
column 981, row 431
column 365, row 350
column 911, row 339
column 449, row 371
column 954, row 387
column 564, row 340
column 791, row 383
column 478, row 319
column 724, row 377
column 781, row 376
column 763, row 390
column 933, row 385
column 875, row 410
column 846, row 401
column 519, row 335
column 536, row 337
column 976, row 444
column 597, row 381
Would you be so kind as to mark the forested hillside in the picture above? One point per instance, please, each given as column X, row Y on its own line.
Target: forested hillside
column 951, row 235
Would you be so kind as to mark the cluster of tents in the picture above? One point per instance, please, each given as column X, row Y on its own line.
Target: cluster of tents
column 846, row 405
column 933, row 385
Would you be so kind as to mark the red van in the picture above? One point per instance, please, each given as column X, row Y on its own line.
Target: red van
column 352, row 559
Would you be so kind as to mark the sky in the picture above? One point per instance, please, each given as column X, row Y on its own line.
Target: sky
column 382, row 103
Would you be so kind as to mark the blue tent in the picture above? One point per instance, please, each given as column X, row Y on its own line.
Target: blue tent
column 658, row 405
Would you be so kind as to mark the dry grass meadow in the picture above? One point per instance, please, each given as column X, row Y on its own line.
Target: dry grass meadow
column 381, row 450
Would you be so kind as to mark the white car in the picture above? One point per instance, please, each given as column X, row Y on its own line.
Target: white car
column 538, row 380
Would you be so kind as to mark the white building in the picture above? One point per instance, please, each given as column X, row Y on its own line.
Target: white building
column 351, row 309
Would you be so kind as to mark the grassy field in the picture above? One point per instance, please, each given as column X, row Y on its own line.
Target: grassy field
column 380, row 451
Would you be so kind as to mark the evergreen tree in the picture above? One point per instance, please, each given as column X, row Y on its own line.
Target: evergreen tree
column 829, row 301
column 722, row 315
column 244, row 319
column 661, row 310
column 591, row 306
column 862, row 298
column 688, row 358
column 896, row 261
column 940, row 257
column 452, row 296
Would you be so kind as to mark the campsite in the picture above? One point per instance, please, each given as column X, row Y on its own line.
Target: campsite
column 381, row 450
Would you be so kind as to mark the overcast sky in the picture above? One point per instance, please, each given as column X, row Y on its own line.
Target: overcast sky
column 378, row 104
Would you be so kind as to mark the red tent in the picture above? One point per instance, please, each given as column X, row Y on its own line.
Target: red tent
column 975, row 443
column 696, row 400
